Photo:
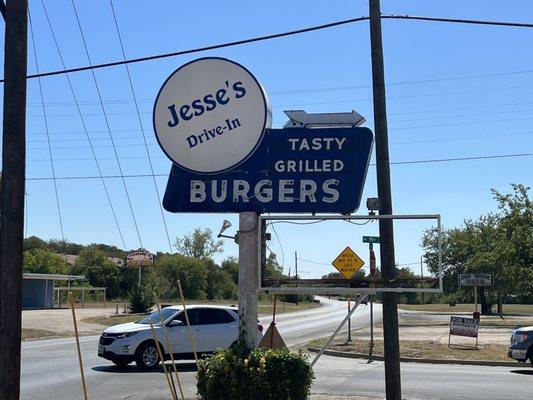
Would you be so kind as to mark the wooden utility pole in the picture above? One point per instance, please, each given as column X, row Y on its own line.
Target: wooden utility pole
column 386, row 232
column 12, row 196
column 249, row 275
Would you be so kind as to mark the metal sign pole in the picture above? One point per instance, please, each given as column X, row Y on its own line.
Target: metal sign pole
column 357, row 302
column 349, row 323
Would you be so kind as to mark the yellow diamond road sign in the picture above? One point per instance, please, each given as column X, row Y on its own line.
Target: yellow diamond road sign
column 348, row 263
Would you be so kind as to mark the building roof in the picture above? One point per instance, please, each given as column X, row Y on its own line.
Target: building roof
column 54, row 277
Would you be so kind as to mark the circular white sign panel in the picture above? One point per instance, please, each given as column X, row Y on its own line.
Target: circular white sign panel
column 210, row 115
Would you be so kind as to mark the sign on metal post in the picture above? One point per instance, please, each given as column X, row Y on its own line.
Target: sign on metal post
column 348, row 263
column 140, row 257
column 475, row 280
column 293, row 170
column 370, row 239
column 467, row 327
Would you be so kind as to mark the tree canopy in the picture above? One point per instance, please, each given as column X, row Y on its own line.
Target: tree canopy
column 500, row 243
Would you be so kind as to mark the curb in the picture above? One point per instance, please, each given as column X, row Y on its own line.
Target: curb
column 345, row 354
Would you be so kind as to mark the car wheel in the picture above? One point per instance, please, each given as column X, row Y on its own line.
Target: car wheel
column 120, row 363
column 146, row 356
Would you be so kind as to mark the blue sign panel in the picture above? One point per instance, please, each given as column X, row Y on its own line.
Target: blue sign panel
column 292, row 171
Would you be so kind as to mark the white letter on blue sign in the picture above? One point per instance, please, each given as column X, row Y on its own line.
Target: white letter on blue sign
column 223, row 191
column 307, row 189
column 240, row 189
column 197, row 191
column 264, row 195
column 334, row 193
column 284, row 190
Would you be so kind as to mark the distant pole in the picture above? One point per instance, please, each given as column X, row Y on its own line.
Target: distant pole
column 296, row 263
column 422, row 274
column 249, row 275
column 140, row 274
column 296, row 272
column 390, row 300
column 12, row 195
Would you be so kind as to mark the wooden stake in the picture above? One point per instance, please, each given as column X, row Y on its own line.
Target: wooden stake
column 169, row 345
column 188, row 323
column 80, row 361
column 160, row 353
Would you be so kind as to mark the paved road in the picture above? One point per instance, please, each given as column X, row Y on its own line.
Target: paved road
column 50, row 370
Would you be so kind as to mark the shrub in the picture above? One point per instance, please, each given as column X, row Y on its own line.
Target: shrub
column 142, row 299
column 260, row 374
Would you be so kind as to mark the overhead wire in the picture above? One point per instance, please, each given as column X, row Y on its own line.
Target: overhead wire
column 45, row 120
column 489, row 157
column 84, row 126
column 279, row 242
column 141, row 126
column 280, row 35
column 108, row 126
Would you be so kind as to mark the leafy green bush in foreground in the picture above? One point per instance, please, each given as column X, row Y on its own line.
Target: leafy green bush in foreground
column 262, row 374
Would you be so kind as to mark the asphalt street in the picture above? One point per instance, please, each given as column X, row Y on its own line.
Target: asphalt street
column 50, row 369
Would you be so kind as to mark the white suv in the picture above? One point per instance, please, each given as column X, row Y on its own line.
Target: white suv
column 213, row 328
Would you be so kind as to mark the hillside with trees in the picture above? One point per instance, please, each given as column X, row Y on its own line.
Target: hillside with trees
column 192, row 264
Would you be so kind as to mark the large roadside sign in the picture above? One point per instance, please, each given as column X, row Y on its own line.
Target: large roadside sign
column 212, row 118
column 348, row 263
column 210, row 115
column 293, row 170
column 475, row 280
column 140, row 257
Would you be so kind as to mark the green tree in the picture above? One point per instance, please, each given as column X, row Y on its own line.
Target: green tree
column 99, row 271
column 200, row 244
column 192, row 273
column 33, row 242
column 220, row 284
column 499, row 243
column 64, row 247
column 43, row 261
column 231, row 266
column 272, row 268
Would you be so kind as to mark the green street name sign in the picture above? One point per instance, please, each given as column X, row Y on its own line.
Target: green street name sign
column 370, row 239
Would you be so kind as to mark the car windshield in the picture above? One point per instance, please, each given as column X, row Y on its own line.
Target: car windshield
column 154, row 317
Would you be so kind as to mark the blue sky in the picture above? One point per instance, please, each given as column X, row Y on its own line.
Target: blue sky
column 453, row 91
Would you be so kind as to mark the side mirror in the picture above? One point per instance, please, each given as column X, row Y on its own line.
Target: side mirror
column 175, row 322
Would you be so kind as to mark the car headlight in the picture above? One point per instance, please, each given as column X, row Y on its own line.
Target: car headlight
column 127, row 335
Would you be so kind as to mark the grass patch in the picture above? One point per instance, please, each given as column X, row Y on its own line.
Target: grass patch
column 41, row 333
column 509, row 309
column 424, row 349
column 111, row 321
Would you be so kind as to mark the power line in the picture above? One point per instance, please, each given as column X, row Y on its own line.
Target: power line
column 279, row 242
column 490, row 157
column 106, row 119
column 461, row 159
column 84, row 126
column 460, row 21
column 141, row 126
column 45, row 120
column 448, row 139
column 202, row 49
column 277, row 36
